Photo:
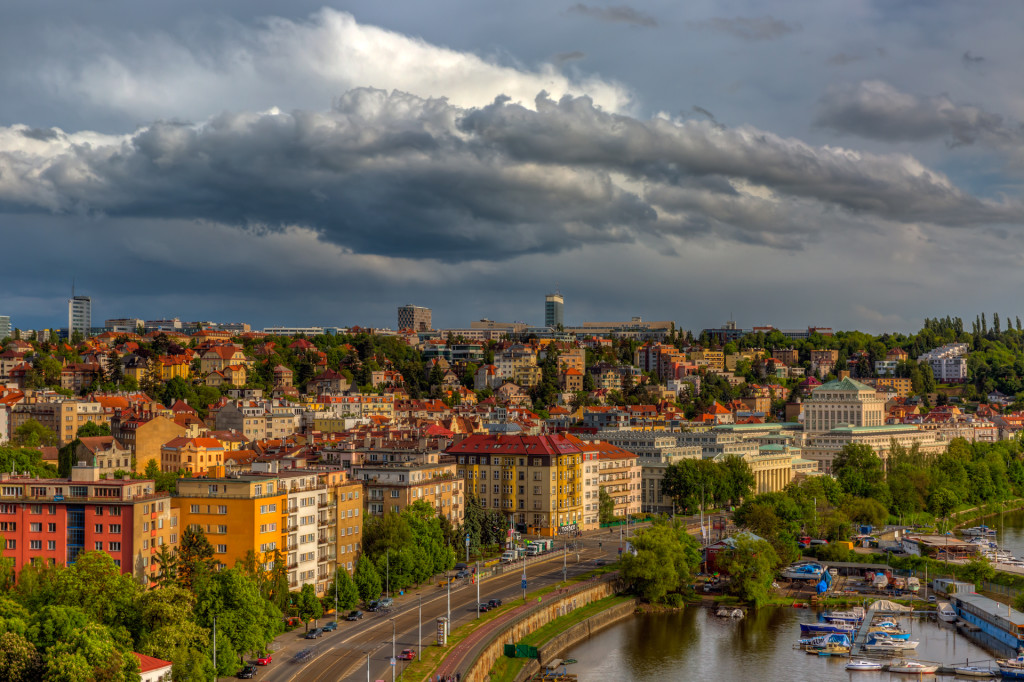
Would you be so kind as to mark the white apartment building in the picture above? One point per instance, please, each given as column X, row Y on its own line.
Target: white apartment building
column 948, row 362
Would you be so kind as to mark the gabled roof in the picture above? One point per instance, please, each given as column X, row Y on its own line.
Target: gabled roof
column 150, row 663
column 846, row 384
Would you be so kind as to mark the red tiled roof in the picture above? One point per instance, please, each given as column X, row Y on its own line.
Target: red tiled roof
column 149, row 663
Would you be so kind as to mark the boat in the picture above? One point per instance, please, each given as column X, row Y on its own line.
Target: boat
column 975, row 671
column 822, row 641
column 1012, row 668
column 914, row 584
column 882, row 635
column 854, row 615
column 884, row 645
column 915, row 667
column 863, row 665
column 833, row 650
column 805, row 570
column 726, row 612
column 979, row 531
column 946, row 612
column 826, row 628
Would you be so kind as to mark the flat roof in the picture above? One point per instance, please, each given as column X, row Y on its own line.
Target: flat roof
column 876, row 429
column 992, row 606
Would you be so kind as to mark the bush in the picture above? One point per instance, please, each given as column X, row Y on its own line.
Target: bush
column 674, row 600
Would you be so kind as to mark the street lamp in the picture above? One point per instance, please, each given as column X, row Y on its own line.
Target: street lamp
column 393, row 659
column 449, row 584
column 419, row 628
column 367, row 665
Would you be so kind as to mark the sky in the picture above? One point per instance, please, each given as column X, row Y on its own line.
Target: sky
column 853, row 164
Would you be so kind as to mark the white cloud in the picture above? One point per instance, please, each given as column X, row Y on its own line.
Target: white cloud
column 160, row 75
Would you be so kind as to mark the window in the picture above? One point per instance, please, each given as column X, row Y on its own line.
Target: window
column 51, row 545
column 394, row 493
column 99, row 527
column 35, row 544
column 114, row 546
column 220, row 529
column 194, row 508
column 114, row 511
column 222, row 549
column 53, row 508
column 99, row 546
column 222, row 509
column 37, row 509
column 115, row 528
column 35, row 527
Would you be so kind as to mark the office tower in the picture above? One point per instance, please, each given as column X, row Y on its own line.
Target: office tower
column 79, row 315
column 415, row 318
column 5, row 326
column 553, row 310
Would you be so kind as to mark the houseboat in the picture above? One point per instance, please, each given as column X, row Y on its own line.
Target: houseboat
column 999, row 626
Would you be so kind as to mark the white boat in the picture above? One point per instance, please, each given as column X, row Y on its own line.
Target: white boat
column 913, row 584
column 946, row 612
column 1012, row 668
column 975, row 671
column 915, row 667
column 979, row 531
column 854, row 615
column 863, row 665
column 894, row 645
column 805, row 570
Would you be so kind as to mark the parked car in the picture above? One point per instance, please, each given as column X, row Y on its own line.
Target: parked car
column 330, row 627
column 354, row 615
column 819, row 542
column 462, row 574
column 264, row 660
column 483, row 608
column 248, row 672
column 314, row 633
column 373, row 606
column 407, row 655
column 385, row 603
column 461, row 566
column 494, row 603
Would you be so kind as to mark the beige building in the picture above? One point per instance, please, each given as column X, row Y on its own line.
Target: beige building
column 145, row 437
column 63, row 418
column 824, row 447
column 655, row 451
column 843, row 402
column 536, row 480
column 104, row 453
column 391, row 486
column 772, row 467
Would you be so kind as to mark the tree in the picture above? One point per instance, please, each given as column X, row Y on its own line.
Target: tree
column 166, row 624
column 19, row 660
column 33, row 434
column 737, row 481
column 309, row 605
column 692, row 483
column 866, row 510
column 167, row 560
column 606, row 506
column 976, row 571
column 367, row 579
column 195, row 558
column 348, row 593
column 666, row 560
column 93, row 429
column 246, row 622
column 860, row 471
column 751, row 565
column 941, row 502
column 89, row 653
column 25, row 459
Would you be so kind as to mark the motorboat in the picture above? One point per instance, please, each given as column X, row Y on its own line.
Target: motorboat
column 1012, row 668
column 822, row 641
column 882, row 635
column 946, row 612
column 827, row 628
column 914, row 667
column 863, row 665
column 854, row 615
column 804, row 570
column 914, row 584
column 884, row 645
column 726, row 612
column 833, row 650
column 975, row 671
column 979, row 531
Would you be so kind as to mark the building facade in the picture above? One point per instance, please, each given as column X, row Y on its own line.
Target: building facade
column 553, row 310
column 79, row 315
column 414, row 317
column 843, row 403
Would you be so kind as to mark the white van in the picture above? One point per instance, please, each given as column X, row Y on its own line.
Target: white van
column 509, row 556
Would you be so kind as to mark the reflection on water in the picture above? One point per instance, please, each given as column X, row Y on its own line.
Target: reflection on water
column 696, row 645
column 1009, row 531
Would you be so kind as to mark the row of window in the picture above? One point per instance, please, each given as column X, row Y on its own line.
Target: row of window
column 221, row 509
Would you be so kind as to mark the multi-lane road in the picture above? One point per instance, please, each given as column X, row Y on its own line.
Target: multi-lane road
column 362, row 649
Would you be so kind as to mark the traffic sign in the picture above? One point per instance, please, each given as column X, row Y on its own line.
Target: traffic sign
column 524, row 584
column 467, row 541
column 393, row 662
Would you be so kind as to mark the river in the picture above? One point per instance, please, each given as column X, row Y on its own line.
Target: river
column 1009, row 531
column 696, row 645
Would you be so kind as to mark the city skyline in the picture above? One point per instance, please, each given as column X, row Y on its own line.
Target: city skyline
column 855, row 166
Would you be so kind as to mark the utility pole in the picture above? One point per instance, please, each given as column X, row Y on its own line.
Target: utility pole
column 215, row 648
column 449, row 584
column 394, row 661
column 419, row 628
column 367, row 665
column 336, row 569
column 565, row 552
column 478, row 589
column 524, row 577
column 387, row 564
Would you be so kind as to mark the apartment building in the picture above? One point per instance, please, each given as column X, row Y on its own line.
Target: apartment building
column 536, row 480
column 54, row 520
column 948, row 362
column 655, row 451
column 348, row 494
column 63, row 417
column 105, row 453
column 193, row 455
column 144, row 435
column 824, row 360
column 391, row 486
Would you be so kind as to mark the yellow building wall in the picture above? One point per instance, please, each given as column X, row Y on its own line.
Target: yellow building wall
column 242, row 520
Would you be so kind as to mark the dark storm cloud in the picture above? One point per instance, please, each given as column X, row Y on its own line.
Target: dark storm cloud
column 401, row 176
column 877, row 110
column 748, row 28
column 619, row 14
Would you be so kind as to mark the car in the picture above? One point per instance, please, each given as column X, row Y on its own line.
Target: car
column 373, row 606
column 314, row 633
column 931, row 598
column 462, row 574
column 248, row 672
column 461, row 566
column 483, row 608
column 354, row 615
column 385, row 603
column 600, row 562
column 264, row 660
column 407, row 655
column 330, row 627
column 819, row 542
column 494, row 603
column 303, row 656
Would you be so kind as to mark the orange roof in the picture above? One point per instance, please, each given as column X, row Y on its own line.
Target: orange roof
column 150, row 663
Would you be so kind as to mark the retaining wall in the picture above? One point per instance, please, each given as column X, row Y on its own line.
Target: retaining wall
column 545, row 612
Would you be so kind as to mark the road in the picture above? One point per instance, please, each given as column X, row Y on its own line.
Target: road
column 342, row 655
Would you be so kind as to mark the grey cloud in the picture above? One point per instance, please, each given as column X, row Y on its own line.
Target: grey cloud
column 704, row 112
column 620, row 14
column 398, row 176
column 748, row 28
column 41, row 133
column 876, row 110
column 842, row 59
column 563, row 57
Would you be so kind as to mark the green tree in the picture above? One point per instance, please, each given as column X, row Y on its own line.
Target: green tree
column 942, row 502
column 367, row 579
column 737, row 480
column 860, row 471
column 195, row 558
column 25, row 459
column 89, row 653
column 348, row 593
column 93, row 429
column 665, row 562
column 19, row 660
column 245, row 620
column 976, row 571
column 309, row 605
column 606, row 506
column 692, row 483
column 167, row 560
column 751, row 565
column 32, row 434
column 866, row 510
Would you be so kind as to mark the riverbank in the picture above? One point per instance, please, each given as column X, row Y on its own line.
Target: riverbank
column 987, row 511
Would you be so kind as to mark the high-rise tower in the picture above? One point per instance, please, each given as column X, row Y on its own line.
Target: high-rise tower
column 553, row 310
